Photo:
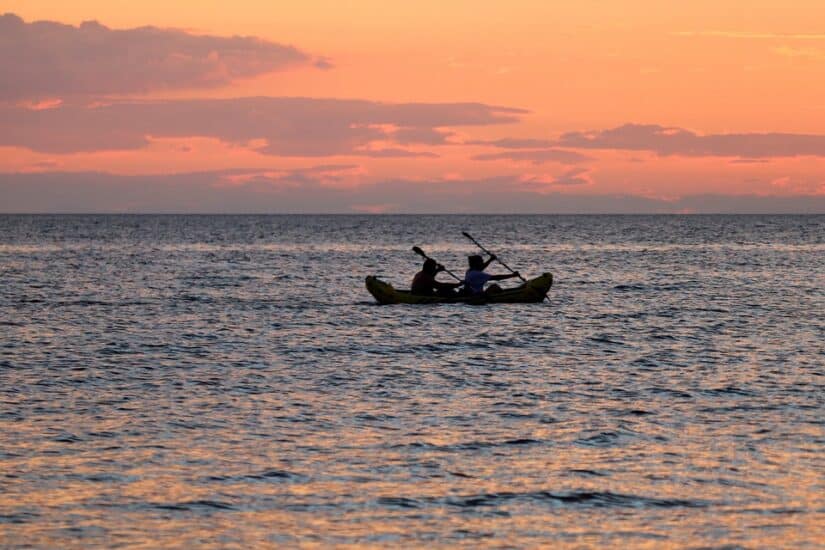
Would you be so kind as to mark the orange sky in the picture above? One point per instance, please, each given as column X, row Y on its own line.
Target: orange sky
column 723, row 72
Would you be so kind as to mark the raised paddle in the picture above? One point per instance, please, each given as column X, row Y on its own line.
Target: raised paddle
column 423, row 255
column 491, row 254
column 478, row 244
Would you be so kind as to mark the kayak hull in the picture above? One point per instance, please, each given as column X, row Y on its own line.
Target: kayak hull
column 532, row 291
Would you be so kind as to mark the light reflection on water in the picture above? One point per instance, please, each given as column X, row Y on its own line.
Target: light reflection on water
column 226, row 381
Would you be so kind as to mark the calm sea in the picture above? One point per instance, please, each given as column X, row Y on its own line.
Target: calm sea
column 226, row 381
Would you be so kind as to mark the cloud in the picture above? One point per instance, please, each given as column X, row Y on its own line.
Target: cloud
column 538, row 156
column 576, row 176
column 746, row 161
column 513, row 143
column 677, row 141
column 394, row 152
column 752, row 35
column 809, row 54
column 287, row 126
column 46, row 59
column 805, row 185
column 330, row 175
column 549, row 183
column 429, row 136
column 46, row 164
column 315, row 190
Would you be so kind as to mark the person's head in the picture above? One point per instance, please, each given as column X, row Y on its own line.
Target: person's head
column 430, row 266
column 476, row 262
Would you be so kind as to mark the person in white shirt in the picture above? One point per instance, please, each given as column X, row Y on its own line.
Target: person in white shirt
column 475, row 278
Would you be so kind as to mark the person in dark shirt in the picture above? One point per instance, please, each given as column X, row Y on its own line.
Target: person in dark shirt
column 424, row 283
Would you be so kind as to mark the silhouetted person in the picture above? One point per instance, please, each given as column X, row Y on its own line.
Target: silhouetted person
column 424, row 282
column 475, row 278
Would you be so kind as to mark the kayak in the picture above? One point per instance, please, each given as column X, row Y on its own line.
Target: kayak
column 532, row 291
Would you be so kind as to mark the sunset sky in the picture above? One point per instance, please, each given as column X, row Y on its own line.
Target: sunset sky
column 426, row 106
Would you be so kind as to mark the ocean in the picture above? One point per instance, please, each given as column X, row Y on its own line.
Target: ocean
column 228, row 382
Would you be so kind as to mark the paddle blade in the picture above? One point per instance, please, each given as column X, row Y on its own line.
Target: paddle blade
column 466, row 234
column 419, row 251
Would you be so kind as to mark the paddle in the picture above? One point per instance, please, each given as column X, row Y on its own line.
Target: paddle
column 421, row 253
column 478, row 244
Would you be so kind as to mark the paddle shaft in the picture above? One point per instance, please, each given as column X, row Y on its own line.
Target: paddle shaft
column 421, row 253
column 507, row 267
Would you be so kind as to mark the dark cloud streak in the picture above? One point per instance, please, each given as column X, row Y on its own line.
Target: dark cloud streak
column 514, row 143
column 539, row 156
column 291, row 126
column 45, row 59
column 666, row 141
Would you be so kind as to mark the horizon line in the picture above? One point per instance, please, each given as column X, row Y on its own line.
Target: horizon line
column 710, row 213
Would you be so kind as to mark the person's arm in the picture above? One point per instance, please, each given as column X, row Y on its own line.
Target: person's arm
column 489, row 261
column 502, row 277
column 441, row 286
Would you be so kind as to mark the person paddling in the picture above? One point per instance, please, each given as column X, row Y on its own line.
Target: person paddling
column 424, row 283
column 475, row 278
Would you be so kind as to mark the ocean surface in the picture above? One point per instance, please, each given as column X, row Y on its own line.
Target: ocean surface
column 227, row 382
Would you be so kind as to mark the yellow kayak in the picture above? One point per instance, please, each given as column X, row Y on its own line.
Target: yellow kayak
column 532, row 291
